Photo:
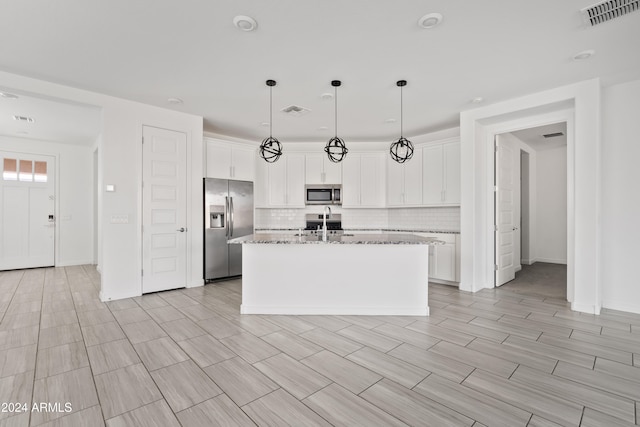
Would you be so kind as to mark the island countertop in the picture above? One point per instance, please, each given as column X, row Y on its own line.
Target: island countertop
column 353, row 239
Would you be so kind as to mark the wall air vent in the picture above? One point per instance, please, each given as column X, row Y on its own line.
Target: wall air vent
column 608, row 10
column 553, row 135
column 24, row 119
column 295, row 110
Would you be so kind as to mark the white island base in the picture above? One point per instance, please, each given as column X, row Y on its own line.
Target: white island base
column 347, row 279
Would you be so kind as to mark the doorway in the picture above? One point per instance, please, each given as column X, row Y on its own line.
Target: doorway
column 27, row 216
column 531, row 201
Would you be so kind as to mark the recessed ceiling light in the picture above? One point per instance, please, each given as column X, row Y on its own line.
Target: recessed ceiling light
column 326, row 96
column 8, row 95
column 22, row 132
column 391, row 120
column 585, row 54
column 24, row 119
column 476, row 100
column 245, row 23
column 323, row 128
column 265, row 124
column 175, row 101
column 430, row 20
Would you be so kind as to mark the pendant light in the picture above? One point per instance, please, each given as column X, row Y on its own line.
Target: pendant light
column 270, row 149
column 335, row 148
column 402, row 149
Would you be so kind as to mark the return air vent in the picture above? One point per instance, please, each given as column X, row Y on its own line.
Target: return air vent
column 24, row 119
column 553, row 135
column 295, row 110
column 608, row 10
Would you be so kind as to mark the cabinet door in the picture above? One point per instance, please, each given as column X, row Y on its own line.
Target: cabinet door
column 261, row 186
column 242, row 164
column 332, row 171
column 413, row 179
column 278, row 182
column 218, row 160
column 395, row 183
column 371, row 180
column 295, row 180
column 314, row 173
column 351, row 191
column 451, row 186
column 432, row 173
column 445, row 262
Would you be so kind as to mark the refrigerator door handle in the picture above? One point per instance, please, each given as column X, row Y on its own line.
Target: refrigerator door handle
column 226, row 214
column 231, row 216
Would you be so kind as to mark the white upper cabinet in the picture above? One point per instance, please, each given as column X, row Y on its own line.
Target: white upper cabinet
column 441, row 174
column 321, row 170
column 363, row 180
column 229, row 161
column 404, row 181
column 280, row 184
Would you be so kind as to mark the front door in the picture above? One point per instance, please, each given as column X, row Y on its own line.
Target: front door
column 164, row 207
column 27, row 212
column 504, row 209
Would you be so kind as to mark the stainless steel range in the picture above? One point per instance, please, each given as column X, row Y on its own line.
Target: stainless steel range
column 314, row 224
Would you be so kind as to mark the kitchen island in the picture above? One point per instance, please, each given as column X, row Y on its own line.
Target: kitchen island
column 363, row 274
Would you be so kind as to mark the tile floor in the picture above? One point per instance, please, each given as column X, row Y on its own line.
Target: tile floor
column 187, row 358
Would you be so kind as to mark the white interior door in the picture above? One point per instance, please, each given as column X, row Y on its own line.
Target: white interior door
column 164, row 207
column 27, row 212
column 505, row 211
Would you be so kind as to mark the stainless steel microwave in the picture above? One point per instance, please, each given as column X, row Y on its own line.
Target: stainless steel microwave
column 323, row 194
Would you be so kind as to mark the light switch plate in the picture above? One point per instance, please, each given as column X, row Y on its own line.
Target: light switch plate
column 111, row 188
column 120, row 219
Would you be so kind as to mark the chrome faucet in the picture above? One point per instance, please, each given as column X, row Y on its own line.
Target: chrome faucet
column 324, row 222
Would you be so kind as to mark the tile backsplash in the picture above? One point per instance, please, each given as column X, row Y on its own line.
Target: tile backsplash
column 443, row 219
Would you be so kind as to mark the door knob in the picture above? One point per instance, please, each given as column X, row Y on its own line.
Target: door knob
column 181, row 229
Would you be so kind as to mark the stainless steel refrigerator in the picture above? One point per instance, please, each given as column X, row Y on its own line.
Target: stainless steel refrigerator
column 228, row 213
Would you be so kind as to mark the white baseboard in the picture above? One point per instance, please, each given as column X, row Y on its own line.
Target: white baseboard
column 196, row 283
column 518, row 268
column 551, row 260
column 622, row 306
column 585, row 308
column 73, row 263
column 112, row 297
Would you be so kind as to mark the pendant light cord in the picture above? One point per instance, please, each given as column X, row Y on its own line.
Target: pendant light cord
column 401, row 113
column 335, row 96
column 270, row 111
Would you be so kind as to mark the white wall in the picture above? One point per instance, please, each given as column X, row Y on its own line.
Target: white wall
column 74, row 204
column 620, row 197
column 551, row 202
column 120, row 162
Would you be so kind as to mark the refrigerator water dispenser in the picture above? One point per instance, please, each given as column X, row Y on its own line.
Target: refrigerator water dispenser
column 216, row 216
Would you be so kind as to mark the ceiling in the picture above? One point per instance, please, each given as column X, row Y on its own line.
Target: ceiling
column 150, row 51
column 534, row 137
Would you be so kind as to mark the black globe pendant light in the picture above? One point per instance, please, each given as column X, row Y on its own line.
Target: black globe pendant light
column 270, row 149
column 335, row 148
column 402, row 149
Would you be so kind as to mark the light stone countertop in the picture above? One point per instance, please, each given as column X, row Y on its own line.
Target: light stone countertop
column 368, row 230
column 353, row 239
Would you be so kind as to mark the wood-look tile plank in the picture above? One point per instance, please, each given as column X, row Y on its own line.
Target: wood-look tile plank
column 182, row 329
column 150, row 301
column 102, row 333
column 58, row 335
column 369, row 338
column 340, row 407
column 475, row 358
column 280, row 409
column 573, row 324
column 94, row 317
column 332, row 341
column 515, row 355
column 165, row 313
column 521, row 312
column 552, row 351
column 250, row 348
column 539, row 327
column 206, row 350
column 154, row 414
column 575, row 392
column 607, row 341
column 329, row 323
column 432, row 362
column 62, row 358
column 294, row 324
column 367, row 322
column 471, row 329
column 476, row 312
column 255, row 324
column 436, row 331
column 219, row 327
column 122, row 304
column 411, row 407
column 184, row 385
column 131, row 315
column 623, row 387
column 506, row 328
column 16, row 388
column 291, row 344
column 198, row 312
column 50, row 320
column 558, row 410
column 75, row 387
column 112, row 355
column 408, row 336
column 485, row 409
column 240, row 381
column 593, row 418
column 218, row 411
column 143, row 331
column 159, row 353
column 18, row 337
column 594, row 320
column 87, row 417
column 348, row 374
column 388, row 366
column 588, row 348
column 291, row 375
column 617, row 369
column 537, row 421
column 17, row 360
column 125, row 389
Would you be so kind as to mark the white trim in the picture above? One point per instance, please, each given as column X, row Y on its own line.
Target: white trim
column 621, row 306
column 552, row 260
column 333, row 311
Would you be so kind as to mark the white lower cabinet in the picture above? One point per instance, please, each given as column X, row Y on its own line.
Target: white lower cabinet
column 443, row 259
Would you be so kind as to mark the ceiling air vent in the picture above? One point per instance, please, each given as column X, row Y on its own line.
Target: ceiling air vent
column 608, row 10
column 24, row 119
column 553, row 135
column 295, row 110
